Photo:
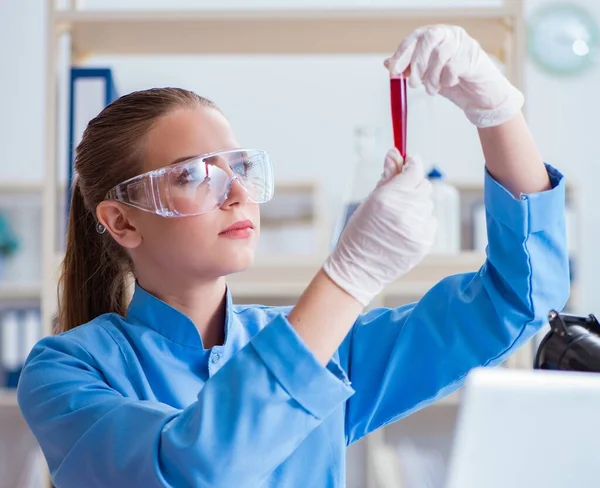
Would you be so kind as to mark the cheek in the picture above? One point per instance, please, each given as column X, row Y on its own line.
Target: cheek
column 187, row 243
column 253, row 213
column 179, row 238
column 201, row 200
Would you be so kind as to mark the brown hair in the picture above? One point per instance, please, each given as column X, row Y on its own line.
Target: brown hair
column 95, row 269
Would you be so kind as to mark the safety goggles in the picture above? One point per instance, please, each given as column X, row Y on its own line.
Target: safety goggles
column 199, row 184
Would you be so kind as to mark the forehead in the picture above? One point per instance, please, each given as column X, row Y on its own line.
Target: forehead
column 187, row 132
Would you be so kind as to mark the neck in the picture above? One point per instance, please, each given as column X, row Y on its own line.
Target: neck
column 204, row 303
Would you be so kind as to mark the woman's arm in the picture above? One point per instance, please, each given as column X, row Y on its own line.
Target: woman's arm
column 323, row 316
column 401, row 360
column 512, row 157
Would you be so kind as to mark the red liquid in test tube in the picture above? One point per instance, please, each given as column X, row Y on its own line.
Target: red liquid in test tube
column 398, row 98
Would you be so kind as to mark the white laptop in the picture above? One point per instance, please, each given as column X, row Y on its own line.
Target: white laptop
column 527, row 429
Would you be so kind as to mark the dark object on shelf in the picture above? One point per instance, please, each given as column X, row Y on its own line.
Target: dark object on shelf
column 12, row 378
column 573, row 344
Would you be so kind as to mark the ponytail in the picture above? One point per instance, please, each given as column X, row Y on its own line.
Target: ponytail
column 94, row 270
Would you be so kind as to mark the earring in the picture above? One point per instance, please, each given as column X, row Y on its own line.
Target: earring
column 100, row 229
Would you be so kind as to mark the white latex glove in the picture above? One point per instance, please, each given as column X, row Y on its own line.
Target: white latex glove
column 388, row 234
column 447, row 60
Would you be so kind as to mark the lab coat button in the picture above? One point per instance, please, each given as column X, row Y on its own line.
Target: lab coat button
column 215, row 357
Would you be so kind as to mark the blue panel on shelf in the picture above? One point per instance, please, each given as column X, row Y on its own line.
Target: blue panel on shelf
column 77, row 115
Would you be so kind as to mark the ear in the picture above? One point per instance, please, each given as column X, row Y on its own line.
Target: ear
column 117, row 220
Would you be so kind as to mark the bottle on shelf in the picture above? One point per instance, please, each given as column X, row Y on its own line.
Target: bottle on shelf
column 32, row 332
column 479, row 227
column 20, row 330
column 446, row 203
column 11, row 357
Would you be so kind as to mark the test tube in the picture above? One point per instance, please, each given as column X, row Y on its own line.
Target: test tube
column 399, row 106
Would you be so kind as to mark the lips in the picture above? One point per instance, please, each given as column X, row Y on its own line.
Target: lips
column 241, row 225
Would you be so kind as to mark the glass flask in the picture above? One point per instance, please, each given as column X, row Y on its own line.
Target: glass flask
column 366, row 172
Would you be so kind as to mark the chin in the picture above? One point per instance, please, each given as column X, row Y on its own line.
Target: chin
column 236, row 262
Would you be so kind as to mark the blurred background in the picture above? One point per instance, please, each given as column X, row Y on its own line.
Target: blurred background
column 303, row 80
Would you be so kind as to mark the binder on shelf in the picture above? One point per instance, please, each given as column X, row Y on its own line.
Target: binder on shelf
column 20, row 330
column 91, row 89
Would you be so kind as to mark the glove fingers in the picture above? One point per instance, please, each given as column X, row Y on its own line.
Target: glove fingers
column 400, row 60
column 440, row 57
column 421, row 59
column 392, row 165
column 398, row 63
column 449, row 77
column 394, row 160
column 412, row 173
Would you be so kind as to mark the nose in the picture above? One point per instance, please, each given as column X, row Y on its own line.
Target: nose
column 238, row 195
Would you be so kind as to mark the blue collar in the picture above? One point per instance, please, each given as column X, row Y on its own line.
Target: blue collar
column 150, row 311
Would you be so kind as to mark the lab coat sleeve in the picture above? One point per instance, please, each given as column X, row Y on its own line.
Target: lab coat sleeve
column 400, row 360
column 248, row 418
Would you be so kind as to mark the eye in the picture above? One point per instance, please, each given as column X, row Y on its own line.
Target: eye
column 189, row 176
column 243, row 167
column 248, row 165
column 183, row 178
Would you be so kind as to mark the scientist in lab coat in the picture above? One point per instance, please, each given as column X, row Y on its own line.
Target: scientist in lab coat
column 182, row 388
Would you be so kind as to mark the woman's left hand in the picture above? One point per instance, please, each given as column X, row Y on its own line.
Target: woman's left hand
column 448, row 61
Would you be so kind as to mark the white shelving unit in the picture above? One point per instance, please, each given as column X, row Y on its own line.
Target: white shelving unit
column 500, row 30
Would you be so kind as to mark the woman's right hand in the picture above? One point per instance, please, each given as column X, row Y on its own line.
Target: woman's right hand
column 388, row 234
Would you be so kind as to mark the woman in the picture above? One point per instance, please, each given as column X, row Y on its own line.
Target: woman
column 182, row 388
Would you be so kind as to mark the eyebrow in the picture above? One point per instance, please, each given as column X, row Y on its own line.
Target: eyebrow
column 187, row 158
column 181, row 160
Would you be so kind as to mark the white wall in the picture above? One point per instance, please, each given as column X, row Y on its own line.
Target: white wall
column 21, row 89
column 563, row 115
column 303, row 109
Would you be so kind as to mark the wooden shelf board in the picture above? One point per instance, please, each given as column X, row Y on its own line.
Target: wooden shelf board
column 283, row 276
column 306, row 220
column 300, row 31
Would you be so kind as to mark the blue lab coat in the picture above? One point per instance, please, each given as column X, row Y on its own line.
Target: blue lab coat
column 138, row 402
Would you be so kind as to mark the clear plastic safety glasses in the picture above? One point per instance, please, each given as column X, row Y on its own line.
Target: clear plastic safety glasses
column 199, row 184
